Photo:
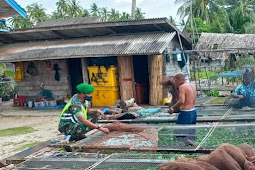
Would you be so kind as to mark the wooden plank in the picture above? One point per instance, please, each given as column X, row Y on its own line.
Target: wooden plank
column 84, row 69
column 20, row 157
column 155, row 72
column 219, row 88
column 126, row 77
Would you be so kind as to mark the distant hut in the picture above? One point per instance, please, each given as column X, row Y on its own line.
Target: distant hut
column 216, row 48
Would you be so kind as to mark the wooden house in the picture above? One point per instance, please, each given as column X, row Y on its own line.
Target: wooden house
column 139, row 48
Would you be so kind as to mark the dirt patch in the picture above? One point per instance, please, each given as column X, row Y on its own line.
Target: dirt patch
column 45, row 129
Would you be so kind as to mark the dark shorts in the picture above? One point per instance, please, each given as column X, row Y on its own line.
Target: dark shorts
column 186, row 135
column 187, row 117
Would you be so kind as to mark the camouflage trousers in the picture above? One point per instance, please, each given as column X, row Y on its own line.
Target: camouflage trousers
column 76, row 130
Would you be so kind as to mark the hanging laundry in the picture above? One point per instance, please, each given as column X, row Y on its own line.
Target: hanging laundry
column 57, row 76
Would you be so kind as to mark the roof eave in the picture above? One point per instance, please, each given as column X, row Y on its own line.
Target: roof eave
column 17, row 8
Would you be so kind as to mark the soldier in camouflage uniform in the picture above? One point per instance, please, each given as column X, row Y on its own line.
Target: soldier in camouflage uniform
column 73, row 119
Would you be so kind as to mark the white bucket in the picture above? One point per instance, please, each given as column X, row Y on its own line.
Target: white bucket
column 30, row 103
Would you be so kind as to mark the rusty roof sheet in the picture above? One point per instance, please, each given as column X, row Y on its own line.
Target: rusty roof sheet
column 133, row 44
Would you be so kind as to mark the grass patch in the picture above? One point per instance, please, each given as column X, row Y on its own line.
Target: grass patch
column 217, row 100
column 28, row 145
column 16, row 131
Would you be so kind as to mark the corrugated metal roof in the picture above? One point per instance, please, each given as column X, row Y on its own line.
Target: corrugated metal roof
column 10, row 8
column 94, row 29
column 134, row 44
column 67, row 22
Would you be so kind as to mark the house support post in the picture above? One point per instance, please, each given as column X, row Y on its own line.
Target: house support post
column 126, row 77
column 155, row 72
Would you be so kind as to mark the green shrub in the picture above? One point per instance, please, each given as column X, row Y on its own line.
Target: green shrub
column 213, row 92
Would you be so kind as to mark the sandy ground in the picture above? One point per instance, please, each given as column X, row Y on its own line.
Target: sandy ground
column 45, row 123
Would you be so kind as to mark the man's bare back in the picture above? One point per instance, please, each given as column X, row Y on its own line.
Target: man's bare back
column 187, row 94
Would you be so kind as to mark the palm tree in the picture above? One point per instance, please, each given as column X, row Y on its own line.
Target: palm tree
column 95, row 11
column 36, row 13
column 139, row 14
column 200, row 8
column 250, row 27
column 74, row 10
column 247, row 5
column 104, row 14
column 62, row 7
column 19, row 22
column 171, row 19
column 85, row 13
column 57, row 15
column 114, row 15
column 239, row 20
column 125, row 16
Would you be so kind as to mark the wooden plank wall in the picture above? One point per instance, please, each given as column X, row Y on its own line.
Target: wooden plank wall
column 155, row 72
column 85, row 73
column 126, row 77
column 30, row 85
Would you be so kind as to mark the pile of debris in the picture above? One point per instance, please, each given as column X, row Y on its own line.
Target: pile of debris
column 123, row 110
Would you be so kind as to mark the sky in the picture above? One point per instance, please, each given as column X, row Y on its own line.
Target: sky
column 151, row 8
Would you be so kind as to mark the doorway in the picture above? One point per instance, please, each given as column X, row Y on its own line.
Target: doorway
column 141, row 75
column 74, row 66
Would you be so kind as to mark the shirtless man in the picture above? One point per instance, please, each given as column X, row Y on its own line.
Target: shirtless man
column 186, row 102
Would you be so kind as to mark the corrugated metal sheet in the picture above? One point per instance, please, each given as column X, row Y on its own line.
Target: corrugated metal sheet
column 67, row 22
column 8, row 11
column 94, row 29
column 134, row 44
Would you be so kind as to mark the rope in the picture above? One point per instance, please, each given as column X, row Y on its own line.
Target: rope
column 212, row 129
column 97, row 163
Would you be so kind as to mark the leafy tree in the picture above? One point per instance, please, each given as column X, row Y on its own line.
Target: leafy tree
column 246, row 6
column 114, row 15
column 19, row 22
column 200, row 9
column 36, row 13
column 171, row 19
column 95, row 11
column 57, row 15
column 238, row 20
column 75, row 10
column 139, row 14
column 104, row 14
column 62, row 7
column 125, row 16
column 85, row 13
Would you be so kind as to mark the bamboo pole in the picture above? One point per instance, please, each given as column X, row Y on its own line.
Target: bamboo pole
column 208, row 80
column 85, row 73
column 195, row 76
column 126, row 77
column 155, row 69
column 199, row 83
